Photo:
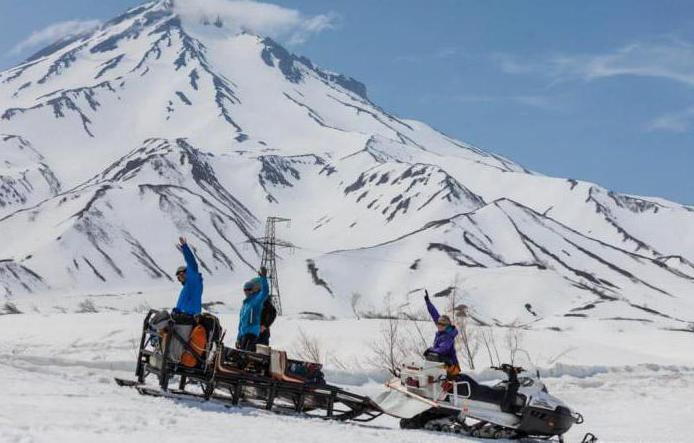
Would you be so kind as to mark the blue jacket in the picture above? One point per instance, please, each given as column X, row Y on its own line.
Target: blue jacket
column 252, row 308
column 444, row 341
column 190, row 298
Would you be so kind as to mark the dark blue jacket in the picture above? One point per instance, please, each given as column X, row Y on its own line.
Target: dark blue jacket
column 190, row 298
column 444, row 341
column 252, row 308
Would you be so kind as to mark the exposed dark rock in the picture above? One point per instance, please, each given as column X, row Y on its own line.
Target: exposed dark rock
column 529, row 308
column 289, row 66
column 183, row 98
column 313, row 270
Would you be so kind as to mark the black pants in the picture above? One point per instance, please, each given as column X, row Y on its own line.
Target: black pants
column 248, row 342
column 264, row 337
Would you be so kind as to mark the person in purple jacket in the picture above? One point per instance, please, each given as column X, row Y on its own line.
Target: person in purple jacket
column 444, row 341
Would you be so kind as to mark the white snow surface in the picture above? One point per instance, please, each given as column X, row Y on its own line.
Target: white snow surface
column 58, row 386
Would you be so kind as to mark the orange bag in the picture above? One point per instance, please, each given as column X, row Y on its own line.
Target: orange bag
column 197, row 341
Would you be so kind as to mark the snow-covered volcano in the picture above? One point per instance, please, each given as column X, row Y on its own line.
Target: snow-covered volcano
column 155, row 125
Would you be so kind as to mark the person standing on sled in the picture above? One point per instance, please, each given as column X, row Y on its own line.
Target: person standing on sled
column 256, row 291
column 190, row 298
column 444, row 342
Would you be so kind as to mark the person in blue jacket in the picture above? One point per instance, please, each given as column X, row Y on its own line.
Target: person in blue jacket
column 190, row 298
column 256, row 291
column 444, row 340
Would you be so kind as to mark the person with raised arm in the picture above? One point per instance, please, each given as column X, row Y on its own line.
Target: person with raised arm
column 444, row 341
column 190, row 297
column 256, row 292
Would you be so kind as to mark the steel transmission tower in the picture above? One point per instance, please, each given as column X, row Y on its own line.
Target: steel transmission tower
column 270, row 244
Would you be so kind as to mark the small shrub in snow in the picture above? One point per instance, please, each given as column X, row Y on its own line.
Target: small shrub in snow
column 11, row 308
column 307, row 348
column 354, row 302
column 143, row 308
column 389, row 350
column 86, row 307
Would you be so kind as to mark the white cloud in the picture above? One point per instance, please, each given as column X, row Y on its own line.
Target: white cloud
column 677, row 122
column 259, row 18
column 671, row 59
column 53, row 33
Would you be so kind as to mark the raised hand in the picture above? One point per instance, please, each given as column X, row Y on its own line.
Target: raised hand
column 263, row 271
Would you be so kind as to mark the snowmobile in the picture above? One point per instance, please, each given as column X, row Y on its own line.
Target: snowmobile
column 265, row 379
column 424, row 397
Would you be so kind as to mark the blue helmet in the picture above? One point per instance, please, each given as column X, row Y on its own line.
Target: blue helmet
column 252, row 286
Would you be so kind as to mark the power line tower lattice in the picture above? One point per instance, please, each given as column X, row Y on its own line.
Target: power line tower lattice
column 270, row 243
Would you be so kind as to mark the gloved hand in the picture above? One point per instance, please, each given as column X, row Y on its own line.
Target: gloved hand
column 263, row 271
column 426, row 295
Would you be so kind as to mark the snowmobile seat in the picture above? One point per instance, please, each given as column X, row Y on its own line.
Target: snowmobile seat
column 479, row 392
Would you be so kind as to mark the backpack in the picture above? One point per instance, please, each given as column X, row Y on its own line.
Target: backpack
column 197, row 341
column 267, row 317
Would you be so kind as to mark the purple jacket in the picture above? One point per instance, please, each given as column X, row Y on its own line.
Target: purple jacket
column 444, row 341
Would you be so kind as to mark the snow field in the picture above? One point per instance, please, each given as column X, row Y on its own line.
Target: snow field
column 57, row 372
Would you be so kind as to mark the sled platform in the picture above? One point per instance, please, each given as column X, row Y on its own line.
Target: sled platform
column 267, row 380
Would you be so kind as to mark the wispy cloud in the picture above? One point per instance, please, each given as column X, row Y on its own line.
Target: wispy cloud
column 543, row 102
column 444, row 52
column 677, row 122
column 408, row 58
column 261, row 18
column 670, row 59
column 53, row 33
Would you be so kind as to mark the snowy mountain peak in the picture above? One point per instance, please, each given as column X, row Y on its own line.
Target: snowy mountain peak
column 173, row 119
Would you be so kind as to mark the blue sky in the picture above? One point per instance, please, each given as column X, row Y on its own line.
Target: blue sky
column 595, row 90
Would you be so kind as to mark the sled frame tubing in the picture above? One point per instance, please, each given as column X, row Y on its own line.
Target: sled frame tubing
column 169, row 368
column 339, row 404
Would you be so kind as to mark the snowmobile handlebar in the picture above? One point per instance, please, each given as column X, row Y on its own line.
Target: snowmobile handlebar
column 508, row 369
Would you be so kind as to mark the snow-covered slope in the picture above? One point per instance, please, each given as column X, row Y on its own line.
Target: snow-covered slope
column 515, row 264
column 24, row 177
column 157, row 125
